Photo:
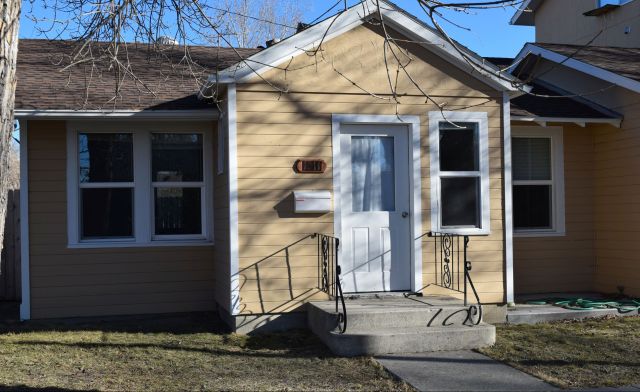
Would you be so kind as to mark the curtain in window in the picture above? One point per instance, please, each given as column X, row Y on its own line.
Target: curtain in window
column 372, row 173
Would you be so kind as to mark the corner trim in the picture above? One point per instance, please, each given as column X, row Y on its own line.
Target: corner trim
column 232, row 140
column 25, row 305
column 508, row 200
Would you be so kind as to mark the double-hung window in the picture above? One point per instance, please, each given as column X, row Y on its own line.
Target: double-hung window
column 459, row 172
column 538, row 184
column 139, row 184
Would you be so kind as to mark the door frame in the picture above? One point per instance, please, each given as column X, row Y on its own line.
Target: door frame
column 415, row 202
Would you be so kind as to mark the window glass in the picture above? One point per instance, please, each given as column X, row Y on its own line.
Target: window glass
column 459, row 147
column 105, row 157
column 176, row 157
column 532, row 206
column 107, row 212
column 531, row 158
column 460, row 198
column 372, row 173
column 178, row 211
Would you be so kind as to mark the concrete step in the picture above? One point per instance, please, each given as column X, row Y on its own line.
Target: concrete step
column 410, row 340
column 394, row 326
column 362, row 314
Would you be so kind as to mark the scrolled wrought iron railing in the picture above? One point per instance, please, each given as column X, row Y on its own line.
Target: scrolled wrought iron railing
column 453, row 270
column 329, row 275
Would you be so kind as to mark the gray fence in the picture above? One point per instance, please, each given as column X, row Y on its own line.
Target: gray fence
column 10, row 257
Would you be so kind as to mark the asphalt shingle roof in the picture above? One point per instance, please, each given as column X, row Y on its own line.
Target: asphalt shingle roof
column 622, row 61
column 154, row 80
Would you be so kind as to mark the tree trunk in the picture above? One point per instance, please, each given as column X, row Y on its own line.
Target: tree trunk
column 9, row 21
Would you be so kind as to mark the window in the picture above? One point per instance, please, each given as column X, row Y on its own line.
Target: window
column 139, row 184
column 459, row 172
column 538, row 185
column 106, row 185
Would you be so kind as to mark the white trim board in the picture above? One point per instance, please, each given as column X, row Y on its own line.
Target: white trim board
column 25, row 278
column 413, row 123
column 592, row 70
column 482, row 119
column 355, row 16
column 204, row 114
column 616, row 122
column 232, row 173
column 508, row 200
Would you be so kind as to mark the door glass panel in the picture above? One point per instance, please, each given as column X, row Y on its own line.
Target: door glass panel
column 372, row 173
column 459, row 147
column 460, row 201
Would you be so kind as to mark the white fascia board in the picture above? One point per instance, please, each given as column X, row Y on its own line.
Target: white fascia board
column 348, row 20
column 522, row 10
column 592, row 70
column 616, row 122
column 209, row 114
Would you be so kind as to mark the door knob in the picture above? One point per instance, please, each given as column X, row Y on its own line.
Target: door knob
column 405, row 214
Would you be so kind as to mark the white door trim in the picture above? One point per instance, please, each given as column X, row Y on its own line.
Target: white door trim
column 415, row 183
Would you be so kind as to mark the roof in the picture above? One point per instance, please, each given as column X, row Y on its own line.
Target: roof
column 546, row 103
column 622, row 61
column 158, row 79
column 618, row 66
column 396, row 18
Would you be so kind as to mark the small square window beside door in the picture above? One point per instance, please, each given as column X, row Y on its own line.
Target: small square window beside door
column 459, row 172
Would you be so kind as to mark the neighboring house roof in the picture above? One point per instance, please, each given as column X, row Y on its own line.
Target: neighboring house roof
column 395, row 18
column 622, row 61
column 42, row 84
column 619, row 66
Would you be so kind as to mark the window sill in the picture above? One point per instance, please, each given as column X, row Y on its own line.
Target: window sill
column 153, row 244
column 469, row 232
column 534, row 234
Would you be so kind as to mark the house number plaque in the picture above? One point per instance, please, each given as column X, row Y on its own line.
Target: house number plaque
column 310, row 166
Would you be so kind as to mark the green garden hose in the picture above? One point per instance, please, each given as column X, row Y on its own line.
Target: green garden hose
column 622, row 305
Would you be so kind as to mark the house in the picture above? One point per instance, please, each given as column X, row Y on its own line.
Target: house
column 156, row 200
column 587, row 239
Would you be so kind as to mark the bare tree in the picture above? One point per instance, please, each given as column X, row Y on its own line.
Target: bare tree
column 9, row 24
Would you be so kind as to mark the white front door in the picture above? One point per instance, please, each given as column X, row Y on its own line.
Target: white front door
column 375, row 208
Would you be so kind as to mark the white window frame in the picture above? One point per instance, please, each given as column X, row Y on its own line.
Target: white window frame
column 481, row 119
column 143, row 205
column 555, row 134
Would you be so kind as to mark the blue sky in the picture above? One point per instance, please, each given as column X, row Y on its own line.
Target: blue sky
column 490, row 33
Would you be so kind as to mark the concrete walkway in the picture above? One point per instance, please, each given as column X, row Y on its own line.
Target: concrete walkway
column 459, row 371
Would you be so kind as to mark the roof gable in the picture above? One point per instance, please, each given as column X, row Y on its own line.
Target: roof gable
column 355, row 16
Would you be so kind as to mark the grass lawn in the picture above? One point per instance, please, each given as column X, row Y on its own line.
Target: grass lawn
column 592, row 353
column 187, row 352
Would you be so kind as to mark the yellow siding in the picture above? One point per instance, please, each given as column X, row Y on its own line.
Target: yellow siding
column 276, row 129
column 90, row 282
column 562, row 21
column 566, row 263
column 617, row 202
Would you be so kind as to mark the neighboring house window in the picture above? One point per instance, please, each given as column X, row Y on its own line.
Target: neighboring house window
column 139, row 185
column 459, row 172
column 538, row 183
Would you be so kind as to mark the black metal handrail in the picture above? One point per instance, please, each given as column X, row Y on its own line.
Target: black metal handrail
column 450, row 263
column 329, row 275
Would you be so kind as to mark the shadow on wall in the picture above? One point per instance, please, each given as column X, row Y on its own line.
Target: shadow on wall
column 275, row 285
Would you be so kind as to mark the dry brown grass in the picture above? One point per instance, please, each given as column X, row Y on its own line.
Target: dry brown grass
column 594, row 353
column 175, row 353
